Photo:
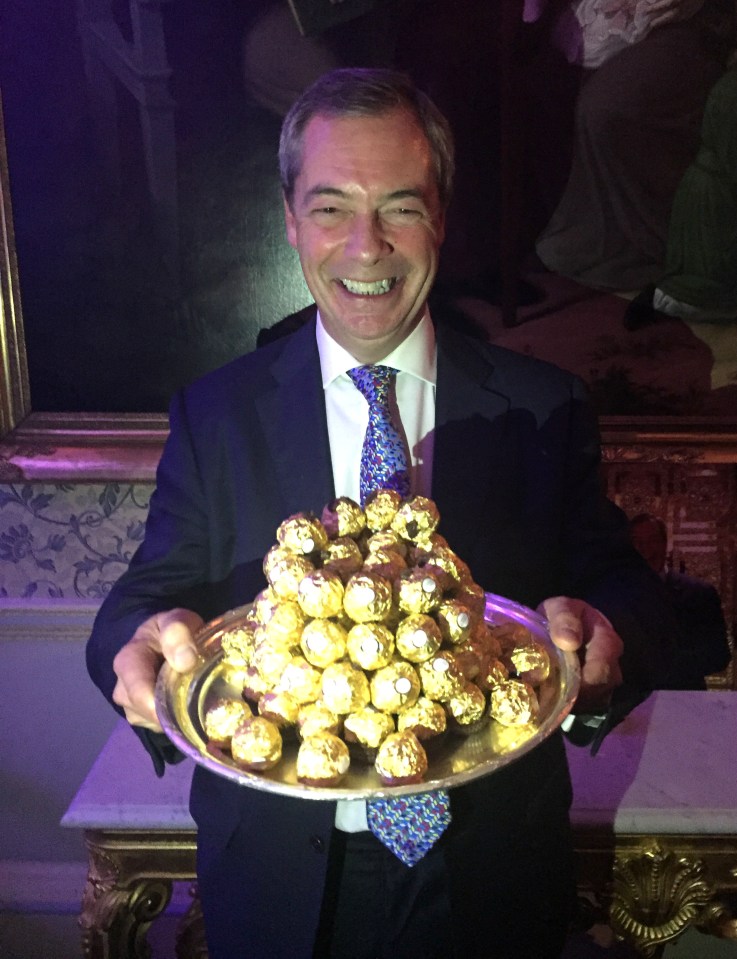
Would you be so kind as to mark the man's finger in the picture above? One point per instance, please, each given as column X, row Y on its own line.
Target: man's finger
column 564, row 617
column 176, row 637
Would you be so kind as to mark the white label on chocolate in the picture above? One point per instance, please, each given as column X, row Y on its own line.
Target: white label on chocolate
column 370, row 645
column 419, row 638
column 463, row 620
column 441, row 665
column 316, row 643
column 308, row 545
column 365, row 594
column 402, row 685
column 428, row 584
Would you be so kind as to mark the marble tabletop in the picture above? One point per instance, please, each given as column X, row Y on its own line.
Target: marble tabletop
column 669, row 767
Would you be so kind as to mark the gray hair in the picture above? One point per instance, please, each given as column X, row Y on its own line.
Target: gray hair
column 362, row 92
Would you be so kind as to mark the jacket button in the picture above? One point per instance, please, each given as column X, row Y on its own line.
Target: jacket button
column 317, row 843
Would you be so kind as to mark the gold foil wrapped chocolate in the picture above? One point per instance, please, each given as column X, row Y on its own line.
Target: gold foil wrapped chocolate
column 343, row 517
column 425, row 718
column 370, row 645
column 285, row 575
column 223, row 718
column 530, row 661
column 317, row 718
column 280, row 707
column 345, row 688
column 513, row 703
column 416, row 519
column 368, row 726
column 322, row 760
column 417, row 637
column 467, row 707
column 440, row 676
column 381, row 507
column 367, row 597
column 256, row 744
column 301, row 680
column 302, row 533
column 320, row 593
column 401, row 759
column 395, row 686
column 343, row 556
column 323, row 642
column 418, row 591
column 238, row 644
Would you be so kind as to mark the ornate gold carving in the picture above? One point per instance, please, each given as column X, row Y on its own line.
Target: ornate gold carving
column 657, row 894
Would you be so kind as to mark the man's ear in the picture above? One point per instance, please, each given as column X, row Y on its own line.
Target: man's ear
column 290, row 222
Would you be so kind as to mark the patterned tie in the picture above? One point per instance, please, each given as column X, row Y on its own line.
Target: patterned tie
column 408, row 826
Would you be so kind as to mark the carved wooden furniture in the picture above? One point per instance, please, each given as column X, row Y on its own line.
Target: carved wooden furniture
column 654, row 820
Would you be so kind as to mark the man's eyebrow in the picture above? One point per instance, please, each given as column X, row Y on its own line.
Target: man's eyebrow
column 407, row 193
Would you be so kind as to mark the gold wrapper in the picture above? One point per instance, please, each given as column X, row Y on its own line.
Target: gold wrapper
column 513, row 703
column 418, row 591
column 440, row 676
column 271, row 661
column 395, row 687
column 345, row 689
column 256, row 744
column 223, row 718
column 468, row 706
column 322, row 759
column 301, row 680
column 381, row 507
column 343, row 556
column 416, row 519
column 323, row 642
column 387, row 539
column 284, row 626
column 425, row 718
column 280, row 707
column 401, row 759
column 454, row 620
column 286, row 574
column 385, row 562
column 531, row 662
column 238, row 644
column 264, row 604
column 418, row 637
column 343, row 517
column 368, row 726
column 254, row 685
column 317, row 718
column 493, row 673
column 320, row 593
column 367, row 597
column 370, row 645
column 302, row 533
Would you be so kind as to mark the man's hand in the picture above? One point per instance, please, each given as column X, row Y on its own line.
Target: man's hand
column 165, row 636
column 671, row 11
column 574, row 625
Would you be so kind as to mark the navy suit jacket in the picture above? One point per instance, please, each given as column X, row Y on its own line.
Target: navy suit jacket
column 516, row 480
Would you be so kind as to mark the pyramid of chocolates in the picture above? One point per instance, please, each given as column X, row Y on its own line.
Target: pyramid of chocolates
column 369, row 644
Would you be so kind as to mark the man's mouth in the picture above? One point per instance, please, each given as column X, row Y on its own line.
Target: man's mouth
column 375, row 288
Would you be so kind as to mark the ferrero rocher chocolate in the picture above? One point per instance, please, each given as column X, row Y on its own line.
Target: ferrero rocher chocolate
column 301, row 680
column 322, row 760
column 440, row 676
column 370, row 645
column 271, row 660
column 416, row 519
column 238, row 644
column 454, row 620
column 320, row 593
column 343, row 517
column 425, row 718
column 513, row 703
column 323, row 642
column 530, row 661
column 284, row 625
column 418, row 637
column 387, row 539
column 381, row 507
column 395, row 686
column 386, row 562
column 343, row 556
column 368, row 726
column 467, row 707
column 345, row 688
column 401, row 760
column 367, row 597
column 302, row 533
column 280, row 707
column 223, row 718
column 285, row 575
column 256, row 744
column 418, row 591
column 317, row 718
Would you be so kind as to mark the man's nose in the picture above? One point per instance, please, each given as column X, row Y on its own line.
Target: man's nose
column 367, row 239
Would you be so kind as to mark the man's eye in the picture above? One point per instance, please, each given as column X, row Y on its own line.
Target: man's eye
column 403, row 213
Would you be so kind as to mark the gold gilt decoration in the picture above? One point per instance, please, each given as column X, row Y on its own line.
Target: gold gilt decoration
column 657, row 894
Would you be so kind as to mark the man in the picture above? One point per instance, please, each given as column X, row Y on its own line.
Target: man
column 703, row 644
column 508, row 449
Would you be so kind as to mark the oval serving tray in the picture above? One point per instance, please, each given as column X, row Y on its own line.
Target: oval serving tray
column 183, row 698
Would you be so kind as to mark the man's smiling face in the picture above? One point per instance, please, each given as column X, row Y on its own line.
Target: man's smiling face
column 367, row 223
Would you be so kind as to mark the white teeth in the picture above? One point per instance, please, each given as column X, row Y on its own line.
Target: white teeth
column 369, row 289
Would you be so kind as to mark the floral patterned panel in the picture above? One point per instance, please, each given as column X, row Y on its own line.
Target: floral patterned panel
column 68, row 541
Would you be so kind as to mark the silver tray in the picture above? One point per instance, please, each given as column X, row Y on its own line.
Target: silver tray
column 183, row 698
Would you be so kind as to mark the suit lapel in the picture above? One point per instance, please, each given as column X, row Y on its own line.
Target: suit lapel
column 473, row 449
column 293, row 419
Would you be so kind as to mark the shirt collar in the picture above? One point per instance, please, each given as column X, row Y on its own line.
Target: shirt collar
column 415, row 355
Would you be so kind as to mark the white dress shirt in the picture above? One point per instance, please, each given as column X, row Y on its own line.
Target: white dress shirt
column 347, row 418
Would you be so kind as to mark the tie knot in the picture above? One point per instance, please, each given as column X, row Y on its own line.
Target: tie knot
column 373, row 382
